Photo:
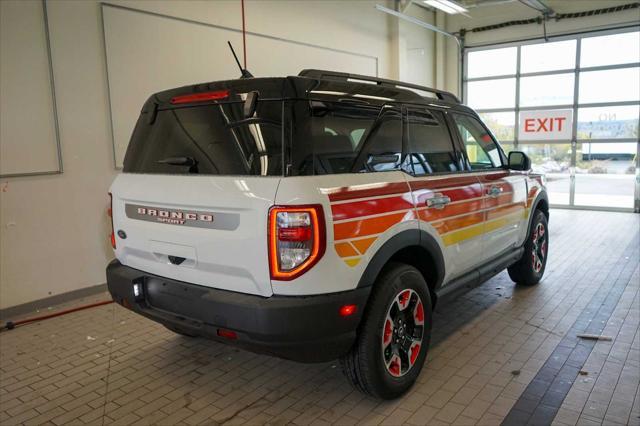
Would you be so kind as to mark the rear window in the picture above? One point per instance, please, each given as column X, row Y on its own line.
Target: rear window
column 212, row 139
column 320, row 137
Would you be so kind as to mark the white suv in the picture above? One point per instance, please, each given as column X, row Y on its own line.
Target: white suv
column 318, row 216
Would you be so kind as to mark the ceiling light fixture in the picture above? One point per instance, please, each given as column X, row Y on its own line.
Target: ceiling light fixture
column 447, row 6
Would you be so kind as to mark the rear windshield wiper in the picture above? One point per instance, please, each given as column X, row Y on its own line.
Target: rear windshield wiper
column 253, row 120
column 190, row 162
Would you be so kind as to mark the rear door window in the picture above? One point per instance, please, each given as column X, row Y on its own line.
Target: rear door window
column 212, row 139
column 343, row 137
column 430, row 143
column 382, row 146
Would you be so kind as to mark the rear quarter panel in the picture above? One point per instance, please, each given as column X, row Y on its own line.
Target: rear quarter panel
column 362, row 211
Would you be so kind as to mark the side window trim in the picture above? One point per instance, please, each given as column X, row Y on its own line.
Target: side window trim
column 407, row 164
column 452, row 139
column 406, row 145
column 458, row 143
column 464, row 151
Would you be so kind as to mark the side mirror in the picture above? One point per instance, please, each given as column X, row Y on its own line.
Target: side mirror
column 518, row 160
column 250, row 104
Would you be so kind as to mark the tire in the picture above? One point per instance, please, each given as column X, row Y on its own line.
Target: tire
column 530, row 268
column 387, row 356
column 179, row 331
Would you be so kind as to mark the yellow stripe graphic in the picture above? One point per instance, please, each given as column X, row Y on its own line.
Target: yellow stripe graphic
column 455, row 237
column 352, row 262
column 360, row 246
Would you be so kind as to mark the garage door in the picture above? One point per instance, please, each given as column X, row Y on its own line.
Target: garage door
column 573, row 104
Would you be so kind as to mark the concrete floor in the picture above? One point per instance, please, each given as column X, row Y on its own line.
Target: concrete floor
column 500, row 354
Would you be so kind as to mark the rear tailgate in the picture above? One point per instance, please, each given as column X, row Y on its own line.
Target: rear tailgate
column 205, row 230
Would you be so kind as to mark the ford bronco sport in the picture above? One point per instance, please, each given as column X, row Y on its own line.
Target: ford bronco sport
column 318, row 216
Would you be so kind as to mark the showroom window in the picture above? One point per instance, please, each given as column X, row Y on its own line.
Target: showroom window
column 589, row 82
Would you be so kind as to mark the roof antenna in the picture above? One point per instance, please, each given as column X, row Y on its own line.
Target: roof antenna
column 243, row 71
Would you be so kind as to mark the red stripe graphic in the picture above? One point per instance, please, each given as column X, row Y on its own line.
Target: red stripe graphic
column 443, row 183
column 470, row 204
column 458, row 194
column 362, row 191
column 371, row 207
column 465, row 207
column 506, row 186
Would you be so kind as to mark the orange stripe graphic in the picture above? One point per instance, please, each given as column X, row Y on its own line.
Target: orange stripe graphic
column 458, row 222
column 366, row 190
column 345, row 250
column 362, row 227
column 470, row 206
column 503, row 211
column 364, row 244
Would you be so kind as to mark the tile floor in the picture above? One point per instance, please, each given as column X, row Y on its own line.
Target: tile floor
column 501, row 355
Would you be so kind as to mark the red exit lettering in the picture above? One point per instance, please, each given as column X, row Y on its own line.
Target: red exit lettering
column 550, row 124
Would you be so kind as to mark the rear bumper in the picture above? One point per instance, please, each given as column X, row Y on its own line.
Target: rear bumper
column 307, row 328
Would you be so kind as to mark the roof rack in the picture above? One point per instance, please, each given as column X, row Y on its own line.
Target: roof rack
column 342, row 76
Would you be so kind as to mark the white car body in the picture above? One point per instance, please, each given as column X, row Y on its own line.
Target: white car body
column 204, row 252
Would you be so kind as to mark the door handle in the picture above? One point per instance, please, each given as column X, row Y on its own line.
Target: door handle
column 438, row 201
column 494, row 191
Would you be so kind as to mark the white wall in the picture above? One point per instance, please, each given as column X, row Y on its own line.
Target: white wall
column 54, row 229
column 27, row 95
column 487, row 15
column 136, row 66
column 417, row 49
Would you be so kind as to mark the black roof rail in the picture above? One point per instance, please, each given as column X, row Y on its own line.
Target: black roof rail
column 343, row 76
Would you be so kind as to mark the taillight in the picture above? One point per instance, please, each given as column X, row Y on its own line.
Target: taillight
column 200, row 97
column 110, row 213
column 296, row 240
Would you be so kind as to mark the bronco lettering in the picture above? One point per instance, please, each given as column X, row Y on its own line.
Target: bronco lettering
column 174, row 217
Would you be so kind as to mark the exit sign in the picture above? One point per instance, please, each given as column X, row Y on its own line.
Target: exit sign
column 545, row 125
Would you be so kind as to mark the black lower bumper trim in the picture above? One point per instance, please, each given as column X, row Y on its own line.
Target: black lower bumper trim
column 305, row 328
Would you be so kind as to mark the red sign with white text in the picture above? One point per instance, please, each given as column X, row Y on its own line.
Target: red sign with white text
column 545, row 125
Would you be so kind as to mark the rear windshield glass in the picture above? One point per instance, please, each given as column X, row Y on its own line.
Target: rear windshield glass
column 320, row 137
column 212, row 139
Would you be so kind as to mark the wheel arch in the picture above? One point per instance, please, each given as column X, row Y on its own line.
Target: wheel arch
column 413, row 247
column 540, row 203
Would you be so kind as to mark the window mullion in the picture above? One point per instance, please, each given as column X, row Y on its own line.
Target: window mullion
column 574, row 127
column 517, row 111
